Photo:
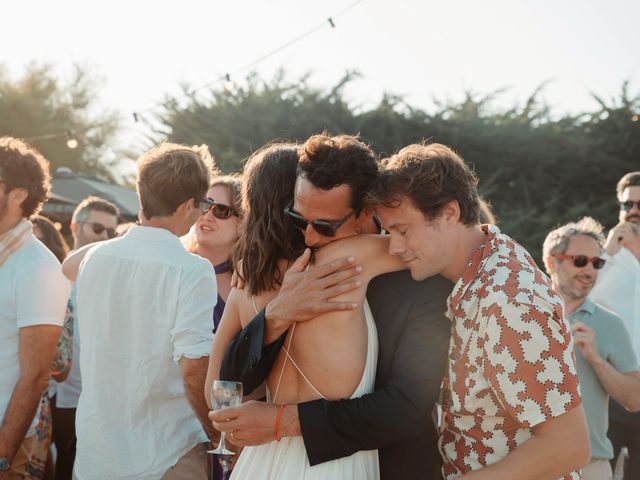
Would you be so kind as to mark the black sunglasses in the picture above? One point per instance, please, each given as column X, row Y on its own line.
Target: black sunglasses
column 218, row 210
column 323, row 227
column 98, row 228
column 628, row 205
column 581, row 261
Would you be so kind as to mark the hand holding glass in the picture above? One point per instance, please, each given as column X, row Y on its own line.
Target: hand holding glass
column 225, row 394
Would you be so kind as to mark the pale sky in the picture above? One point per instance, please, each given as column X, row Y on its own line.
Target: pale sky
column 420, row 49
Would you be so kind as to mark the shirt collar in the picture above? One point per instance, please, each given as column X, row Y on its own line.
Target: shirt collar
column 152, row 233
column 587, row 306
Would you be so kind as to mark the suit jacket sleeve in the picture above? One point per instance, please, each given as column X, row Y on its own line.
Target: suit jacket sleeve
column 246, row 360
column 396, row 410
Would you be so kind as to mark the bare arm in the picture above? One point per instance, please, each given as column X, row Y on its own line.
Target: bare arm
column 71, row 264
column 229, row 327
column 558, row 446
column 194, row 372
column 36, row 350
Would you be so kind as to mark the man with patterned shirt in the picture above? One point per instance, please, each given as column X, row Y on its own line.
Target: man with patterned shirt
column 510, row 400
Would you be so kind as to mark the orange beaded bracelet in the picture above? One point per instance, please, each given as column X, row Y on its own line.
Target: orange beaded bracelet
column 278, row 418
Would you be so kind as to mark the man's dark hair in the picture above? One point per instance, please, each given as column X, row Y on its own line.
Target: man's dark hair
column 22, row 166
column 329, row 162
column 90, row 204
column 631, row 179
column 430, row 176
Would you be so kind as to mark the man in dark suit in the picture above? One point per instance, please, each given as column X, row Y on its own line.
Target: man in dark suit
column 413, row 332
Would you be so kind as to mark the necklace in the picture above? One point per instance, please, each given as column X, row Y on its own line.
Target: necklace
column 223, row 267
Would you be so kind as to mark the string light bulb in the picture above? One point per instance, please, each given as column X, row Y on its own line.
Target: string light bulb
column 72, row 143
column 229, row 85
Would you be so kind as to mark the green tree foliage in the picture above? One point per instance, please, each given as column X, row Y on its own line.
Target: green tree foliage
column 537, row 170
column 39, row 104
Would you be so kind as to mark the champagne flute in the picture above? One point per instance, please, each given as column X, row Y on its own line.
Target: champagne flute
column 225, row 394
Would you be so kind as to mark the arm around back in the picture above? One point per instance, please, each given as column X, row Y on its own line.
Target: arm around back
column 408, row 381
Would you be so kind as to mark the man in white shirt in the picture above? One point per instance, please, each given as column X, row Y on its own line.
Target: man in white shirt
column 144, row 310
column 618, row 289
column 33, row 296
column 94, row 220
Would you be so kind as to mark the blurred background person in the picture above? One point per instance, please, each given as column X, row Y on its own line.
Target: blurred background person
column 618, row 289
column 46, row 231
column 605, row 360
column 215, row 233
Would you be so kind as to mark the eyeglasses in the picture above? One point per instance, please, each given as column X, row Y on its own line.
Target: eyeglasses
column 628, row 205
column 98, row 228
column 323, row 227
column 218, row 210
column 580, row 261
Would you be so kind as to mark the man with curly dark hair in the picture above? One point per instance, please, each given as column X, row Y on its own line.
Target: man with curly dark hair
column 32, row 308
column 334, row 175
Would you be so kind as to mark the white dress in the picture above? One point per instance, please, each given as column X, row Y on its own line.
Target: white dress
column 287, row 459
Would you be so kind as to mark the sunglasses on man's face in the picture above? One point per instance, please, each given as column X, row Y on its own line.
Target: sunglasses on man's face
column 628, row 205
column 323, row 227
column 218, row 210
column 581, row 261
column 98, row 228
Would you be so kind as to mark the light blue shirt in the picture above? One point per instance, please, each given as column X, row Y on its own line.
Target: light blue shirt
column 614, row 345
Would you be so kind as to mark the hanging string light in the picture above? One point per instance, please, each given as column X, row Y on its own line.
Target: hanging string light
column 228, row 83
column 72, row 143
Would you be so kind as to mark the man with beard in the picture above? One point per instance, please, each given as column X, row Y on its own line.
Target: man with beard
column 33, row 295
column 605, row 359
column 618, row 289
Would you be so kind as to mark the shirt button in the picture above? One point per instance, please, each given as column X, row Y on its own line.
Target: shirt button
column 253, row 363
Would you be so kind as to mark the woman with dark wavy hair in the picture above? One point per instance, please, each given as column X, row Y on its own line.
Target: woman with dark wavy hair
column 308, row 367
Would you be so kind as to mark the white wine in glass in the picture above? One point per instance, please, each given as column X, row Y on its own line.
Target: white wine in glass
column 224, row 394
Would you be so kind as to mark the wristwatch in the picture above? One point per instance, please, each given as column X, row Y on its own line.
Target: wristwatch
column 5, row 464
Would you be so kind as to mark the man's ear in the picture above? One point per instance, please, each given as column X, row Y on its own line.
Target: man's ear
column 73, row 227
column 450, row 212
column 550, row 264
column 186, row 207
column 18, row 195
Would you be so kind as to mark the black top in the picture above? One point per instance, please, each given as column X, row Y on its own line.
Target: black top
column 396, row 418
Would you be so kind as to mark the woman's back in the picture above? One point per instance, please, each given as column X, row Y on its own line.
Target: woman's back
column 325, row 357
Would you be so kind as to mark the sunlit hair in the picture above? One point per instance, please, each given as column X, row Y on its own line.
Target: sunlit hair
column 92, row 203
column 631, row 179
column 430, row 176
column 171, row 174
column 233, row 184
column 329, row 162
column 557, row 240
column 22, row 166
column 51, row 237
column 266, row 234
column 486, row 212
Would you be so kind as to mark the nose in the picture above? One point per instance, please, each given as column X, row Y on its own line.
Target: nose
column 396, row 245
column 311, row 237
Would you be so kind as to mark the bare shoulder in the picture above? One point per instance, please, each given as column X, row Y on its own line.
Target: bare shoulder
column 360, row 246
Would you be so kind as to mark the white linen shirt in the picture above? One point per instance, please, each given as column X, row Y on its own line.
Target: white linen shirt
column 33, row 291
column 144, row 302
column 618, row 289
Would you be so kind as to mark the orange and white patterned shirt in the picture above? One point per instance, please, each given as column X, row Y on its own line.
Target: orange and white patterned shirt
column 511, row 361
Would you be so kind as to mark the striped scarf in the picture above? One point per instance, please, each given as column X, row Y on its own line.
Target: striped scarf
column 15, row 238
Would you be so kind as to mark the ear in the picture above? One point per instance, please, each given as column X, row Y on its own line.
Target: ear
column 550, row 264
column 450, row 212
column 186, row 207
column 74, row 228
column 365, row 220
column 18, row 195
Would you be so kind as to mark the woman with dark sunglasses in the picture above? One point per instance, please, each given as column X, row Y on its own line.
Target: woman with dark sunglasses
column 215, row 233
column 333, row 356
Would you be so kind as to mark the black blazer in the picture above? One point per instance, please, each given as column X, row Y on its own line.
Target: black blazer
column 396, row 418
